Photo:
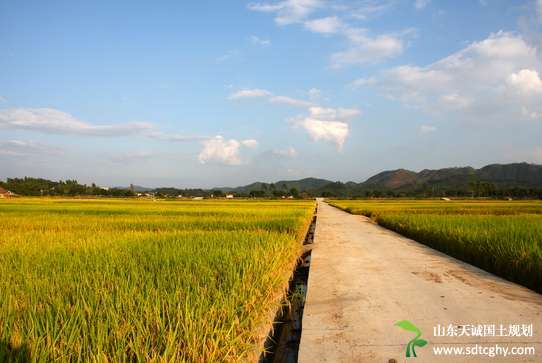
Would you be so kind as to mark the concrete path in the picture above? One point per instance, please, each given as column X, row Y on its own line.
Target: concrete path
column 364, row 279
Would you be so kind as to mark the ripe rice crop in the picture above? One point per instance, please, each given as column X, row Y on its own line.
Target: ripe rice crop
column 143, row 281
column 501, row 237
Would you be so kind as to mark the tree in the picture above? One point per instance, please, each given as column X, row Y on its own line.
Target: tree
column 130, row 193
column 217, row 193
column 285, row 188
column 257, row 193
column 294, row 192
column 427, row 190
column 326, row 193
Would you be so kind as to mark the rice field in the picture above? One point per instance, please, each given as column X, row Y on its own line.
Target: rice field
column 143, row 281
column 502, row 237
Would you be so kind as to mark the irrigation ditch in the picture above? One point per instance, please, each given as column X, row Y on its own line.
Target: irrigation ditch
column 282, row 343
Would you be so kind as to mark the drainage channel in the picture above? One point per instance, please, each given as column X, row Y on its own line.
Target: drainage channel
column 282, row 345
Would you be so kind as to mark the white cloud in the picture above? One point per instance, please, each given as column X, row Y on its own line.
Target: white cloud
column 525, row 82
column 329, row 25
column 258, row 41
column 220, row 151
column 420, row 4
column 370, row 50
column 332, row 131
column 361, row 47
column 425, row 129
column 478, row 66
column 490, row 79
column 291, row 101
column 366, row 49
column 288, row 153
column 289, row 11
column 30, row 148
column 2, row 100
column 232, row 54
column 52, row 121
column 249, row 93
column 315, row 93
column 539, row 10
column 327, row 124
column 340, row 114
column 251, row 143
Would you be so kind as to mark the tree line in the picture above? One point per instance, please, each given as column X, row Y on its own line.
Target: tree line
column 42, row 187
column 480, row 189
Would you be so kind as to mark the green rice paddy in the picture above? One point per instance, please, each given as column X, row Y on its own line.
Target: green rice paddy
column 143, row 281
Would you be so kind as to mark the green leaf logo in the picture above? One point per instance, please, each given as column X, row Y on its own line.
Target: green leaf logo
column 407, row 325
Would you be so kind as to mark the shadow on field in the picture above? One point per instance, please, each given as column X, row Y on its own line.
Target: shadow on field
column 8, row 353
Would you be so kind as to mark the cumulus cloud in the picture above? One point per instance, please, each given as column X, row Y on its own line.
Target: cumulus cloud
column 328, row 124
column 52, row 121
column 494, row 77
column 525, row 82
column 480, row 64
column 220, row 151
column 249, row 93
column 251, row 143
column 291, row 101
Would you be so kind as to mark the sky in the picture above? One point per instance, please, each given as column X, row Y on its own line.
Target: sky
column 203, row 94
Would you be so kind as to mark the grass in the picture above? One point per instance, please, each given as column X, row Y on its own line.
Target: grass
column 501, row 237
column 143, row 281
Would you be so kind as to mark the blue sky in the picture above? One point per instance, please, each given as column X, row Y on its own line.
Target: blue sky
column 225, row 93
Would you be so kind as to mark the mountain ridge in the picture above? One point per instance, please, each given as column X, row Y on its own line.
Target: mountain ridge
column 503, row 175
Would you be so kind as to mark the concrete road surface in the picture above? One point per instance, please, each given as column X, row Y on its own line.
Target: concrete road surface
column 364, row 279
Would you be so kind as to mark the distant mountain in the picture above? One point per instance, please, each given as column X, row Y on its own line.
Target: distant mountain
column 301, row 185
column 137, row 188
column 507, row 175
column 504, row 176
column 530, row 173
column 393, row 178
column 402, row 177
